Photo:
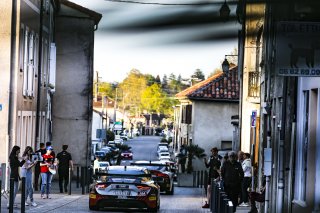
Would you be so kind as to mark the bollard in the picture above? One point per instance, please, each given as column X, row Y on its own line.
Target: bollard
column 11, row 195
column 83, row 179
column 194, row 178
column 225, row 205
column 70, row 173
column 78, row 179
column 213, row 196
column 23, row 194
column 230, row 207
column 206, row 180
column 201, row 179
column 88, row 178
column 198, row 177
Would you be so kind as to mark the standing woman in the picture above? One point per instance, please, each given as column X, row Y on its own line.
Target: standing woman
column 15, row 163
column 26, row 171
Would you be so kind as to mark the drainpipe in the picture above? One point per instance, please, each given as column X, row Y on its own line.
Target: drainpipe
column 280, row 197
column 12, row 89
column 268, row 68
column 39, row 79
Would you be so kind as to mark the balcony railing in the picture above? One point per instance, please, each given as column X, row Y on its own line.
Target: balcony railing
column 254, row 84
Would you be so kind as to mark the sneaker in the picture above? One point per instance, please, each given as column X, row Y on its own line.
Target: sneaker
column 34, row 204
column 206, row 206
column 43, row 197
column 246, row 204
column 241, row 204
column 26, row 204
column 48, row 197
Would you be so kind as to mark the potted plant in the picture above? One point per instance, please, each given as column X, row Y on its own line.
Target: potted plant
column 193, row 151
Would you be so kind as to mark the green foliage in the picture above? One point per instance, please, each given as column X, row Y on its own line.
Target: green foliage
column 198, row 74
column 154, row 99
column 193, row 151
column 110, row 135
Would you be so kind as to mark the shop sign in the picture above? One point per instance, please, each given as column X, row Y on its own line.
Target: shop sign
column 298, row 49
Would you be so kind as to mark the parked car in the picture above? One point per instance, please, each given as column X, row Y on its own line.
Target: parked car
column 101, row 154
column 161, row 174
column 124, row 136
column 118, row 141
column 164, row 156
column 127, row 155
column 161, row 144
column 100, row 166
column 122, row 187
column 111, row 143
column 162, row 149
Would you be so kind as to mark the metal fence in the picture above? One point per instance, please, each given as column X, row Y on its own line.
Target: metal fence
column 219, row 201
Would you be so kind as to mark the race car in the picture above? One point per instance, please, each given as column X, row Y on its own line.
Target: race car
column 124, row 187
column 161, row 174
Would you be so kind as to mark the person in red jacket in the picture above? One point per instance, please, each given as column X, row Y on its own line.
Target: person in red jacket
column 47, row 169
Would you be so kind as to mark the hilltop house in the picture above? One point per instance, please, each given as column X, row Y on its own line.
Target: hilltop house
column 203, row 116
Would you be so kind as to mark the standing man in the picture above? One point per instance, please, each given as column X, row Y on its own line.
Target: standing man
column 213, row 164
column 64, row 163
column 40, row 152
column 232, row 176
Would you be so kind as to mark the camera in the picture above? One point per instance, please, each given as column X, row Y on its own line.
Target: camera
column 36, row 157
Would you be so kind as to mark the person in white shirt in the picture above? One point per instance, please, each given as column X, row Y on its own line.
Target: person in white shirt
column 246, row 166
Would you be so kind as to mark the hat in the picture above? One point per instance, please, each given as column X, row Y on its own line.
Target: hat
column 49, row 148
column 214, row 149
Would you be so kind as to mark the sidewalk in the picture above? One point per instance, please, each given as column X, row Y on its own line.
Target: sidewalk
column 63, row 200
column 45, row 205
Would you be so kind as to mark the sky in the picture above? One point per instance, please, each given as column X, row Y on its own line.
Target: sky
column 156, row 51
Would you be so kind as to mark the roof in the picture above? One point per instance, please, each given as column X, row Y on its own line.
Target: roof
column 223, row 86
column 94, row 15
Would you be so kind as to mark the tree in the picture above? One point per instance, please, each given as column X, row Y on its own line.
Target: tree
column 150, row 79
column 154, row 99
column 158, row 81
column 192, row 152
column 106, row 89
column 198, row 74
column 131, row 89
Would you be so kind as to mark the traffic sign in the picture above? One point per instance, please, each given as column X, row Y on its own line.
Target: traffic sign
column 253, row 118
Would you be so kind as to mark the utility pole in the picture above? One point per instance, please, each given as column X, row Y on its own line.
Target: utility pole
column 97, row 86
column 115, row 107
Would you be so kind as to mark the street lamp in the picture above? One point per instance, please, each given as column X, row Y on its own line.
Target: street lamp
column 225, row 64
column 224, row 11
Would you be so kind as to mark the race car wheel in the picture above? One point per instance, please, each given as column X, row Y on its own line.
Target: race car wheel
column 171, row 191
column 93, row 208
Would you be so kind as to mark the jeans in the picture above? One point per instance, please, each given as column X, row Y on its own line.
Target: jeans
column 63, row 176
column 46, row 178
column 27, row 173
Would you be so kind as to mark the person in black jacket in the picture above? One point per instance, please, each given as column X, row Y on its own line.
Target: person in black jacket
column 213, row 164
column 64, row 163
column 232, row 176
column 15, row 163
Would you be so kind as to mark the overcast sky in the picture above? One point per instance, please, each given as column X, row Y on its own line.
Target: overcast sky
column 157, row 51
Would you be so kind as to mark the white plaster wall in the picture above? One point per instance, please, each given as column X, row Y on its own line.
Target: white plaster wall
column 211, row 123
column 72, row 101
column 5, row 36
column 96, row 124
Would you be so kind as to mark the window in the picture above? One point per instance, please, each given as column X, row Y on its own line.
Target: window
column 302, row 152
column 254, row 84
column 29, row 47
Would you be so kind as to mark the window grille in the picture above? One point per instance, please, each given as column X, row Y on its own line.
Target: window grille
column 254, row 84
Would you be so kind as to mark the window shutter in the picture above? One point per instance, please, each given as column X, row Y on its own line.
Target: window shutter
column 25, row 63
column 30, row 66
column 52, row 70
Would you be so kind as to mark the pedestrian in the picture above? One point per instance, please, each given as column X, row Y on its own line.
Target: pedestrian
column 182, row 158
column 40, row 152
column 64, row 163
column 96, row 164
column 46, row 175
column 26, row 171
column 213, row 164
column 240, row 160
column 15, row 163
column 52, row 152
column 246, row 166
column 232, row 175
